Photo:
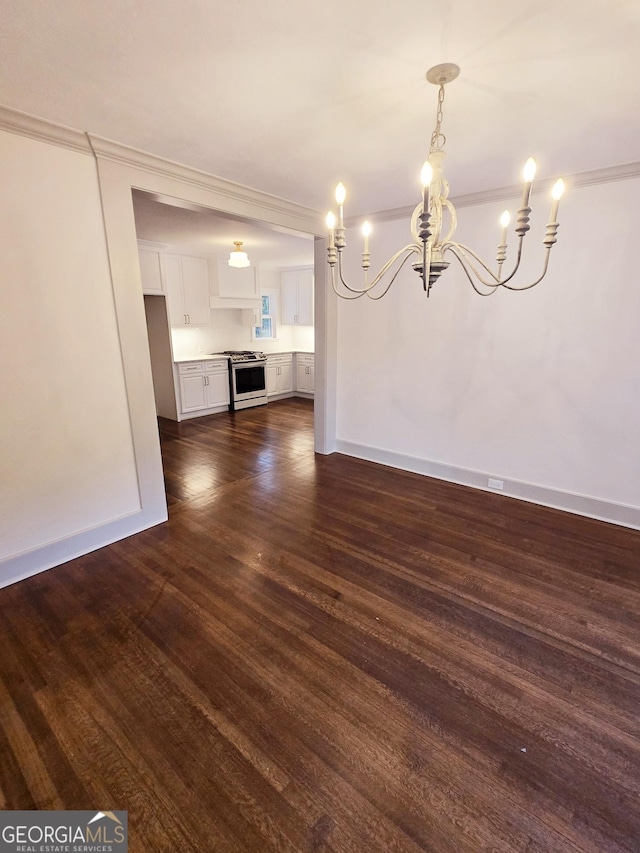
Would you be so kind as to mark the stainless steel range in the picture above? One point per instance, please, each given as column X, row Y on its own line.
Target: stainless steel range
column 247, row 378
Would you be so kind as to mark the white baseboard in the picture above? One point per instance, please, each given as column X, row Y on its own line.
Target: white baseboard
column 283, row 396
column 622, row 514
column 201, row 413
column 21, row 566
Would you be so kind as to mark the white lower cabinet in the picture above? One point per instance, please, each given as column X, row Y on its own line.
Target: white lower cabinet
column 282, row 369
column 192, row 393
column 305, row 381
column 279, row 374
column 204, row 385
column 217, row 387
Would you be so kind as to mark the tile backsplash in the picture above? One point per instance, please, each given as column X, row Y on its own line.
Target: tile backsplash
column 228, row 332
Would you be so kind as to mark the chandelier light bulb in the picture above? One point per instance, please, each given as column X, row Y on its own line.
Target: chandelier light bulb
column 505, row 219
column 556, row 195
column 529, row 171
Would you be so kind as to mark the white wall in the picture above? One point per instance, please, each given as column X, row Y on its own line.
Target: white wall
column 537, row 388
column 80, row 461
column 66, row 455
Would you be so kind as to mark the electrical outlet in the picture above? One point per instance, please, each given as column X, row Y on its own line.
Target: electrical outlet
column 495, row 484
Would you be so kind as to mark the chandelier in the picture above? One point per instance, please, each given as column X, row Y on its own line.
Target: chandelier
column 433, row 225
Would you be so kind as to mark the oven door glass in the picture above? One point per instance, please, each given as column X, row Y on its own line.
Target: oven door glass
column 249, row 379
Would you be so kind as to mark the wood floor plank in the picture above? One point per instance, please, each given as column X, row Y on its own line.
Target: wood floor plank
column 322, row 654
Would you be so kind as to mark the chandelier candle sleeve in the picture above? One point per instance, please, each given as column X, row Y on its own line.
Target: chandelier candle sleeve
column 505, row 219
column 366, row 231
column 341, row 194
column 331, row 224
column 426, row 176
column 501, row 257
column 529, row 173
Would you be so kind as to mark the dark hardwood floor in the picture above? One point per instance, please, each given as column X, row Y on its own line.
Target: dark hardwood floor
column 322, row 654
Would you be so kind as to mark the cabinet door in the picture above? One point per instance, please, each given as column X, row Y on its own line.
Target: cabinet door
column 312, row 379
column 289, row 291
column 192, row 393
column 305, row 298
column 217, row 389
column 285, row 379
column 150, row 270
column 302, row 378
column 173, row 282
column 195, row 287
column 272, row 378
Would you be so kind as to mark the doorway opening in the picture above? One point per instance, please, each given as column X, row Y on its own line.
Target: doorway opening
column 197, row 307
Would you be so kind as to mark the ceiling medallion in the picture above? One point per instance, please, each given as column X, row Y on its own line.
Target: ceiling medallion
column 432, row 236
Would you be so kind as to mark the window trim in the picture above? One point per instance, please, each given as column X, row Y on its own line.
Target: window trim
column 272, row 295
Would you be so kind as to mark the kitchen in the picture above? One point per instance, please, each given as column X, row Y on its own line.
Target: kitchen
column 223, row 336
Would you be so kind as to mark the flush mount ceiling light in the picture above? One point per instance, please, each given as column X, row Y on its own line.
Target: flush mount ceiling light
column 238, row 258
column 432, row 237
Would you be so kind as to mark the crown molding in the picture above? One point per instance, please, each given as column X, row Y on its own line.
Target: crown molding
column 308, row 219
column 302, row 218
column 25, row 124
column 606, row 175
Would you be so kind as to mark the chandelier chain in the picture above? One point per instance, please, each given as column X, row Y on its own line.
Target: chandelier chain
column 438, row 138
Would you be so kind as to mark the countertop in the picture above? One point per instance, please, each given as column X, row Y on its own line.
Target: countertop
column 217, row 357
column 201, row 357
column 290, row 352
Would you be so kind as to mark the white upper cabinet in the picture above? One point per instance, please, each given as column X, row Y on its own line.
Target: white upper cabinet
column 150, row 269
column 187, row 288
column 232, row 287
column 297, row 297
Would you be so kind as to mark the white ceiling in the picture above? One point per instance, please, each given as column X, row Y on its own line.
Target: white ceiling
column 203, row 231
column 290, row 97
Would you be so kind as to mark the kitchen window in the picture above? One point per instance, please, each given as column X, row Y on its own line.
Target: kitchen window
column 267, row 330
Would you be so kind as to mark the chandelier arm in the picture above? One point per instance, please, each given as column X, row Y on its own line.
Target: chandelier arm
column 537, row 281
column 497, row 280
column 409, row 249
column 385, row 291
column 337, row 292
column 463, row 263
column 459, row 249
